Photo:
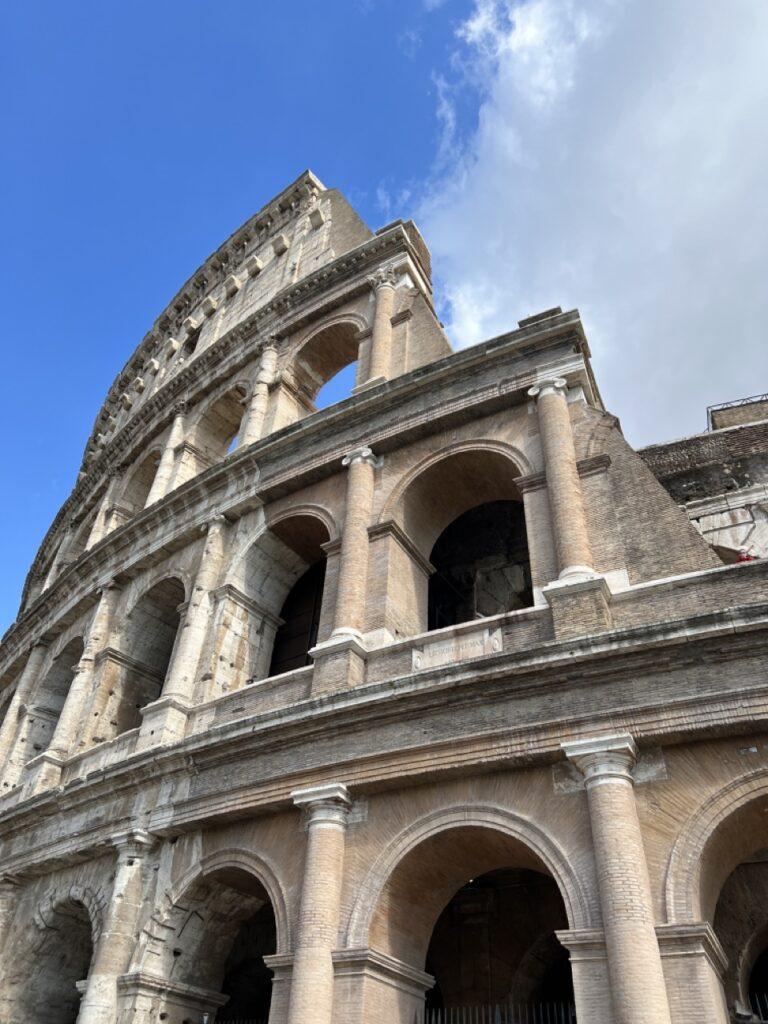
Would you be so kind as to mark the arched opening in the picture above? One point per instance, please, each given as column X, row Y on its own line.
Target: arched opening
column 271, row 609
column 216, row 434
column 40, row 983
column 216, row 938
column 479, row 911
column 146, row 647
column 325, row 367
column 300, row 614
column 481, row 565
column 733, row 896
column 139, row 484
column 463, row 515
column 49, row 700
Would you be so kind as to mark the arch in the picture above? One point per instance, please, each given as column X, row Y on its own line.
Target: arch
column 261, row 576
column 206, row 916
column 325, row 350
column 134, row 677
column 135, row 491
column 694, row 878
column 253, row 863
column 217, row 424
column 50, row 697
column 506, row 823
column 442, row 486
column 309, row 509
column 93, row 900
column 53, row 954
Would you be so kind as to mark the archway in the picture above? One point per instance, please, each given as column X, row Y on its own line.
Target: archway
column 718, row 874
column 325, row 363
column 41, row 975
column 481, row 565
column 50, row 698
column 462, row 513
column 271, row 611
column 146, row 648
column 139, row 483
column 214, row 939
column 477, row 908
column 218, row 429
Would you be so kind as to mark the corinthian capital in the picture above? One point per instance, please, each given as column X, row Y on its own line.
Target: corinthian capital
column 384, row 277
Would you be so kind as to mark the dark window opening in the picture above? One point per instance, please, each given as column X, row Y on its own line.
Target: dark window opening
column 301, row 620
column 481, row 565
column 247, row 979
column 758, row 986
column 494, row 946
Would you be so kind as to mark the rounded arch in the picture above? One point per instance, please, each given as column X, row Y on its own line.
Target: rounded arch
column 523, row 835
column 92, row 899
column 252, row 863
column 713, row 841
column 445, row 484
column 309, row 510
column 161, row 575
column 139, row 480
column 217, row 421
column 325, row 350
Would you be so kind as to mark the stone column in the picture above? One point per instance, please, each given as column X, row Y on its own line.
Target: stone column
column 252, row 426
column 70, row 720
column 634, row 962
column 353, row 564
column 164, row 720
column 162, row 483
column 115, row 945
column 318, row 924
column 566, row 504
column 383, row 283
column 24, row 689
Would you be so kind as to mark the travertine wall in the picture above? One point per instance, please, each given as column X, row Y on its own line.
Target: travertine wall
column 160, row 788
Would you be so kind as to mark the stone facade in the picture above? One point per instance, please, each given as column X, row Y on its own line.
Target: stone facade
column 255, row 762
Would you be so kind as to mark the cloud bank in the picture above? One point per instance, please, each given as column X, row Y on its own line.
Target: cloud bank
column 617, row 162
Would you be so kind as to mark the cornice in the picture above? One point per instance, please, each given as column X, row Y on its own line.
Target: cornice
column 268, row 468
column 501, row 744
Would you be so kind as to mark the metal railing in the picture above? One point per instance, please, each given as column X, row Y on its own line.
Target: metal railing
column 759, row 1006
column 508, row 1013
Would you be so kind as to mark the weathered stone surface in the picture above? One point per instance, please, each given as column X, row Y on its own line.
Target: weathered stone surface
column 220, row 763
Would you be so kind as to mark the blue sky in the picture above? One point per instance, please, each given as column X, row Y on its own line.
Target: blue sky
column 606, row 154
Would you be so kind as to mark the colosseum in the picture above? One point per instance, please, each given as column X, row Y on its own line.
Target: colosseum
column 439, row 703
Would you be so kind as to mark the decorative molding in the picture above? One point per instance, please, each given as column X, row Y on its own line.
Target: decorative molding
column 392, row 529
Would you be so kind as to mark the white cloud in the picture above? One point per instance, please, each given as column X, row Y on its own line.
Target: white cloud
column 618, row 164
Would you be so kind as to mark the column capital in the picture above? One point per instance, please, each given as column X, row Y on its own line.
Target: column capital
column 133, row 843
column 180, row 409
column 327, row 804
column 384, row 277
column 549, row 386
column 362, row 454
column 603, row 759
column 217, row 521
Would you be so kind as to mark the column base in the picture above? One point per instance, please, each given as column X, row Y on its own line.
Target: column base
column 339, row 663
column 370, row 383
column 163, row 721
column 41, row 773
column 580, row 607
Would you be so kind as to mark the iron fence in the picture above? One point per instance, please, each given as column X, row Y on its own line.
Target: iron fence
column 509, row 1013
